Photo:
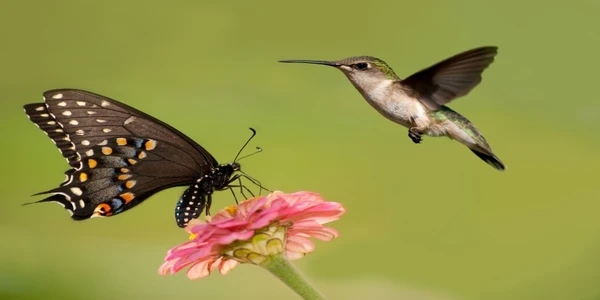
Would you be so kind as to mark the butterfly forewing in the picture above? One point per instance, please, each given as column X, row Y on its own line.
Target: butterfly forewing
column 90, row 118
column 120, row 156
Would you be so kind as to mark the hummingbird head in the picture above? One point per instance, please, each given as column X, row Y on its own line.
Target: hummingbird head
column 362, row 71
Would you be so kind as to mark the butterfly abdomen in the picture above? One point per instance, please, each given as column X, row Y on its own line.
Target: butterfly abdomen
column 192, row 203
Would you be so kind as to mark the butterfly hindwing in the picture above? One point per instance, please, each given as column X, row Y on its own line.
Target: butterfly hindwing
column 115, row 177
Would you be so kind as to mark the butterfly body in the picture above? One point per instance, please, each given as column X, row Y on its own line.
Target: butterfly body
column 199, row 195
column 120, row 156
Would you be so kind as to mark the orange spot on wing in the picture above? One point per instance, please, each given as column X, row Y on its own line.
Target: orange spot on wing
column 105, row 206
column 132, row 161
column 123, row 176
column 142, row 155
column 150, row 144
column 102, row 210
column 129, row 184
column 121, row 141
column 107, row 150
column 124, row 170
column 83, row 177
column 127, row 197
column 92, row 163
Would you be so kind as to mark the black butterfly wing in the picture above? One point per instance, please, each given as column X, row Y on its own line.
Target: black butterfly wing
column 120, row 155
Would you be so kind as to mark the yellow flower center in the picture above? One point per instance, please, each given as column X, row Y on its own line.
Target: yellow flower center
column 266, row 241
column 232, row 209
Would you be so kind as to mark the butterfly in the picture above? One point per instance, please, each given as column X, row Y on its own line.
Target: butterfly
column 120, row 156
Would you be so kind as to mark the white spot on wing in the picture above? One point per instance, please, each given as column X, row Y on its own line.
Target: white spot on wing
column 57, row 96
column 39, row 108
column 105, row 103
column 79, row 132
column 44, row 115
column 62, row 103
column 77, row 191
column 81, row 203
column 106, row 130
column 85, row 142
column 91, row 112
column 73, row 122
column 129, row 120
column 51, row 122
column 100, row 121
column 89, row 152
column 80, row 103
column 66, row 113
column 105, row 142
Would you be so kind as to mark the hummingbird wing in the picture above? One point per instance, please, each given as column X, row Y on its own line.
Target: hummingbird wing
column 451, row 78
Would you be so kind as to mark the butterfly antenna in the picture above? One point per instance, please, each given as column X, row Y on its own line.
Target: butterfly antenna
column 248, row 141
column 258, row 150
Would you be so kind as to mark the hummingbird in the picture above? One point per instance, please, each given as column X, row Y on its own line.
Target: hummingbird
column 418, row 102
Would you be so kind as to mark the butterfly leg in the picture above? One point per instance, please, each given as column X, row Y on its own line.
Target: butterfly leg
column 244, row 187
column 257, row 183
column 234, row 196
column 240, row 185
column 208, row 203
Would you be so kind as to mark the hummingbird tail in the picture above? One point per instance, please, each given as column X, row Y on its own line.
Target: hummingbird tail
column 490, row 159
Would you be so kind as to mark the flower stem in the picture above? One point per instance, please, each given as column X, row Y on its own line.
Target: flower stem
column 283, row 269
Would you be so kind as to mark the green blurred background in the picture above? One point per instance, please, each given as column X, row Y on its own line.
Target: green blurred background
column 426, row 221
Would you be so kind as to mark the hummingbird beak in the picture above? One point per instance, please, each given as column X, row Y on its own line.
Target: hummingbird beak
column 313, row 62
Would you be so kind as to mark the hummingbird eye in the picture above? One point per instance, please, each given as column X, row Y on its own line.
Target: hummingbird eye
column 362, row 66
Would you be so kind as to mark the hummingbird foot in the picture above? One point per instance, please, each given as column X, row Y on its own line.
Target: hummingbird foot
column 414, row 135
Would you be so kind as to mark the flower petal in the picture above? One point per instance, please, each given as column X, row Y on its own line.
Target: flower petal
column 264, row 220
column 200, row 269
column 227, row 265
column 321, row 213
column 167, row 267
column 311, row 228
column 235, row 236
column 298, row 244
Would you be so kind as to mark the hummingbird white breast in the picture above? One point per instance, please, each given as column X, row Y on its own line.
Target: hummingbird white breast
column 394, row 104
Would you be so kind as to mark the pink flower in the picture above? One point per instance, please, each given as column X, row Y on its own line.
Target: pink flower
column 253, row 231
